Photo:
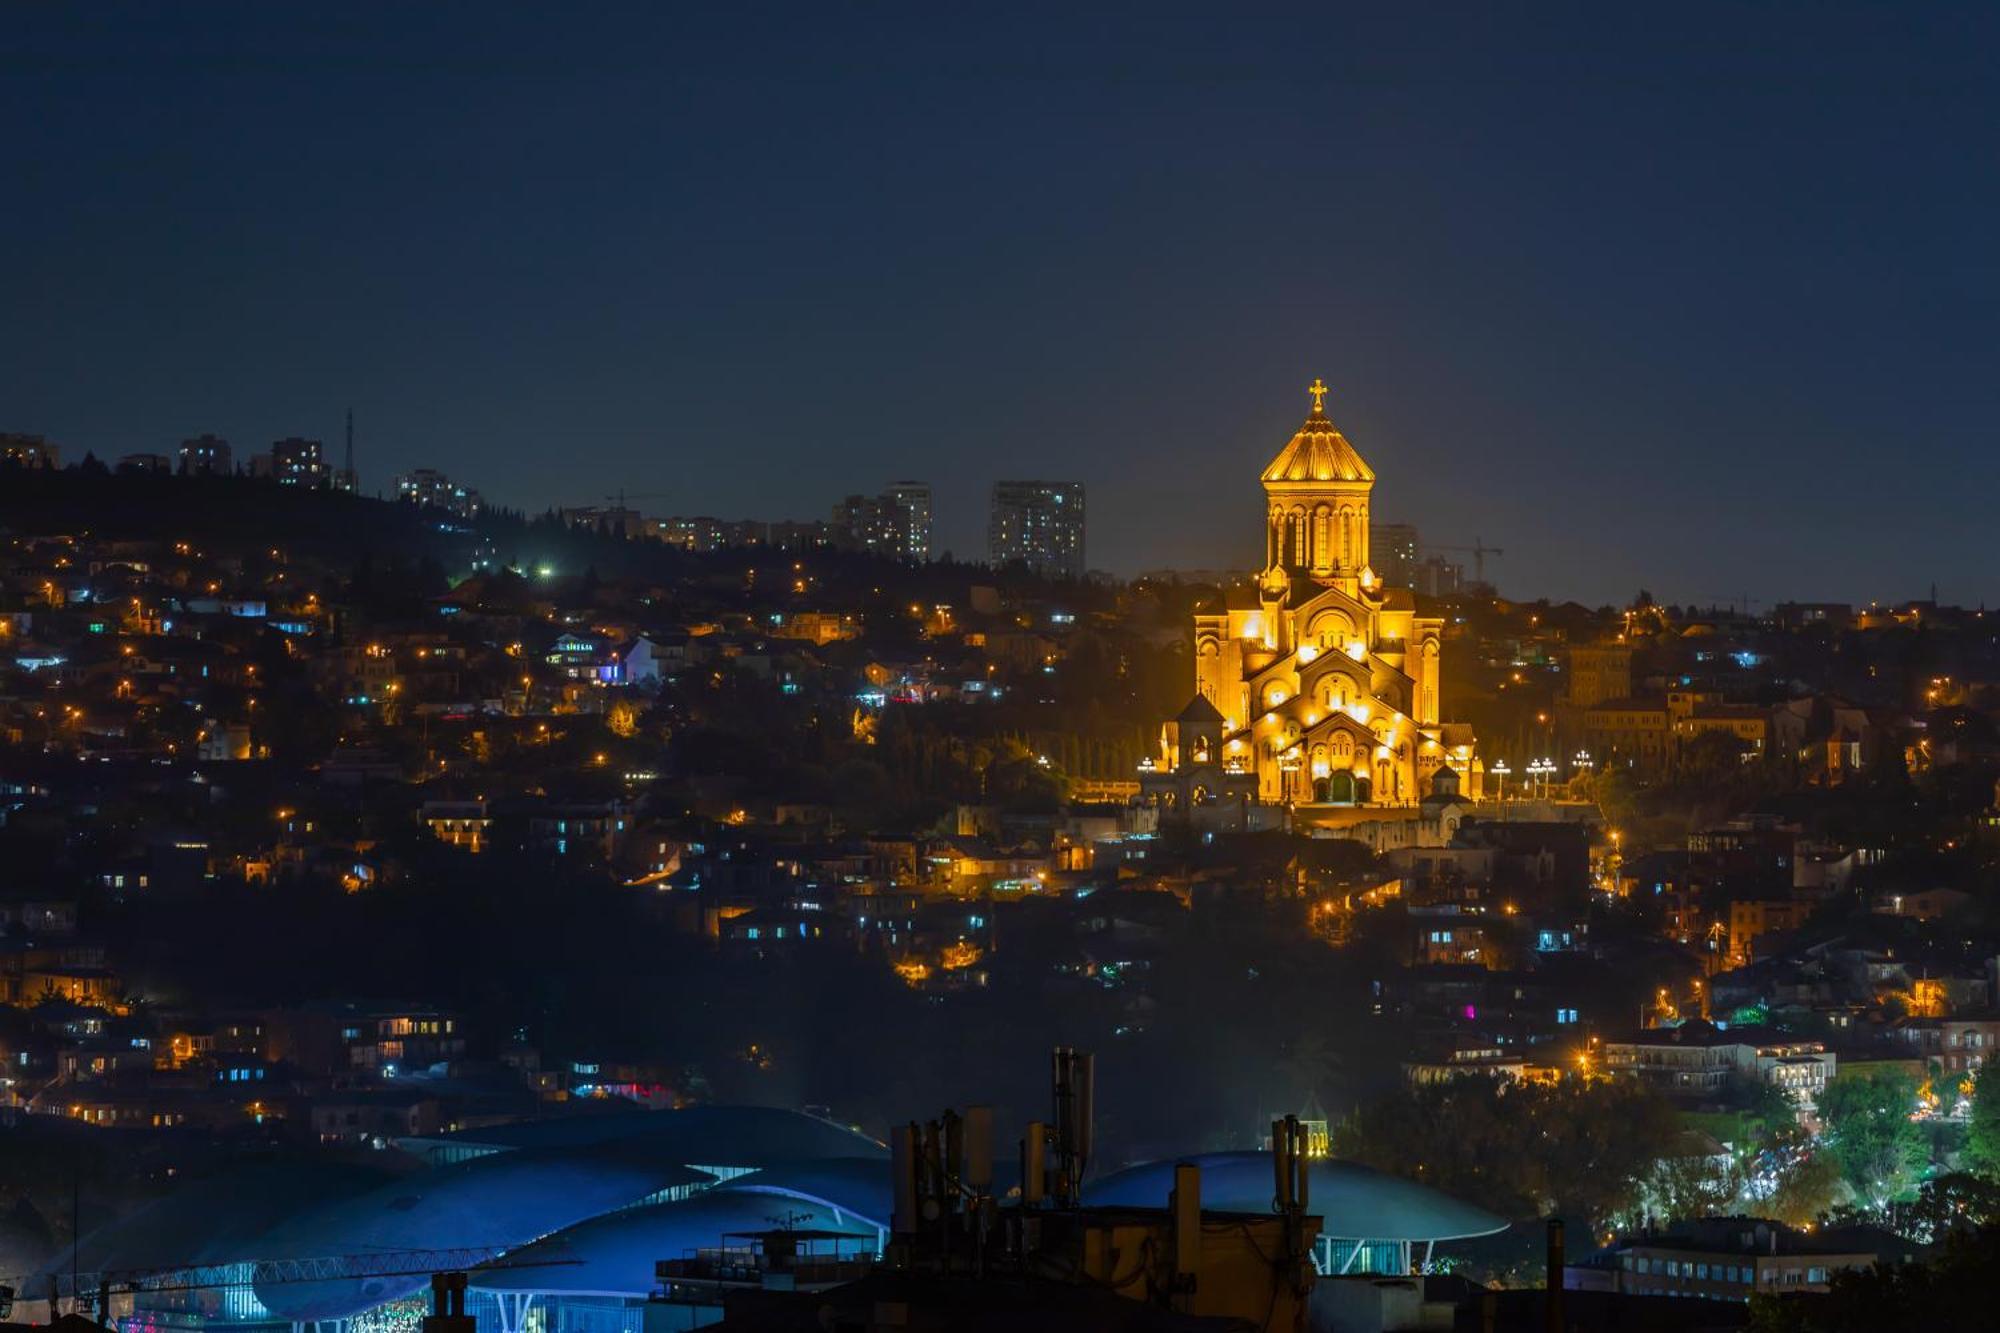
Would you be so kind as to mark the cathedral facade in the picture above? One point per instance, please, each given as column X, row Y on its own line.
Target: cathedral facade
column 1319, row 687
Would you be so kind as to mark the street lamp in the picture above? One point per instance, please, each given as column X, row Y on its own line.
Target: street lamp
column 1500, row 771
column 1542, row 768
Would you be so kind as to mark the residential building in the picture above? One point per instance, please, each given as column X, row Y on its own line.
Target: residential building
column 1395, row 551
column 298, row 462
column 28, row 451
column 1597, row 672
column 1040, row 524
column 1697, row 1059
column 1958, row 1045
column 913, row 501
column 1748, row 723
column 1729, row 1259
column 1750, row 918
column 465, row 824
column 1627, row 733
column 205, row 455
column 896, row 523
column 429, row 488
column 1437, row 577
column 612, row 520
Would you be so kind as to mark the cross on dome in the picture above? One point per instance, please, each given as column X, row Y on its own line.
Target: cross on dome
column 1319, row 391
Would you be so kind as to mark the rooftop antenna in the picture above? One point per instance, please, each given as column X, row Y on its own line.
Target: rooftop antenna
column 348, row 465
column 75, row 1228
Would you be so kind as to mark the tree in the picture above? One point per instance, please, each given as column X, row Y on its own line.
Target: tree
column 1692, row 1182
column 1982, row 1133
column 1770, row 1109
column 1953, row 1203
column 1712, row 757
column 1522, row 1150
column 1879, row 1149
column 1309, row 1065
column 1808, row 1184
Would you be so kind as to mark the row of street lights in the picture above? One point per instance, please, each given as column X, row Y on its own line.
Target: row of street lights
column 1537, row 770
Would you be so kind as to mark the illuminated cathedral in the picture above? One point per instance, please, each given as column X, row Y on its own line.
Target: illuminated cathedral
column 1319, row 687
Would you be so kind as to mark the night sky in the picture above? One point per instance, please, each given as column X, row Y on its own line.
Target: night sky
column 1696, row 299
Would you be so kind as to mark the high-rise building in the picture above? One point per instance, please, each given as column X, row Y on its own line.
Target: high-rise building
column 431, row 489
column 299, row 462
column 609, row 520
column 697, row 532
column 29, row 451
column 205, row 455
column 896, row 523
column 1039, row 523
column 1437, row 577
column 913, row 507
column 864, row 523
column 1396, row 552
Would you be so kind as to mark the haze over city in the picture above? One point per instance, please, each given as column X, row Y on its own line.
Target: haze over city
column 1032, row 669
column 1683, row 301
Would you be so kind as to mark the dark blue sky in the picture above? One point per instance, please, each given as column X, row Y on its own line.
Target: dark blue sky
column 1697, row 298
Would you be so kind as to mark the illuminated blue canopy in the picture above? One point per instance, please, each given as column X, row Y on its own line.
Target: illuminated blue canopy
column 223, row 1219
column 502, row 1201
column 615, row 1255
column 856, row 1188
column 1357, row 1202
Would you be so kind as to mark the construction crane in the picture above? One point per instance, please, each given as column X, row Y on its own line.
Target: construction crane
column 1479, row 550
column 1743, row 601
column 620, row 498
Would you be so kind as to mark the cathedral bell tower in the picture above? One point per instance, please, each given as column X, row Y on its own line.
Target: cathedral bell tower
column 1316, row 489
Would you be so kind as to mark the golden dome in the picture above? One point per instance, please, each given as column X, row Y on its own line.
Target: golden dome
column 1318, row 452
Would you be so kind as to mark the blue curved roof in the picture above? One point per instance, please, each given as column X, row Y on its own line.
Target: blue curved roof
column 854, row 1187
column 1357, row 1202
column 219, row 1220
column 703, row 1135
column 615, row 1256
column 502, row 1201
